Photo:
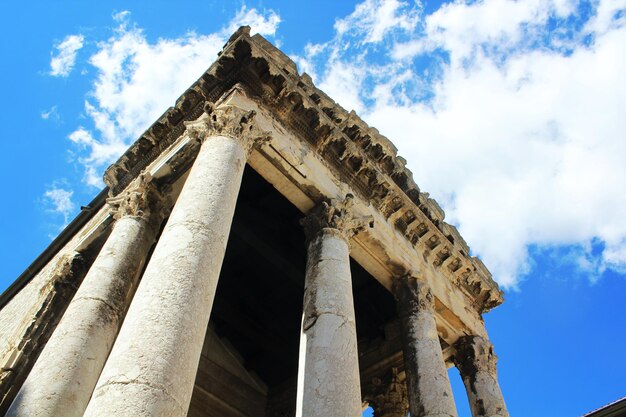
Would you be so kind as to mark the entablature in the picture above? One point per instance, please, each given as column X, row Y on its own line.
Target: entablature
column 362, row 157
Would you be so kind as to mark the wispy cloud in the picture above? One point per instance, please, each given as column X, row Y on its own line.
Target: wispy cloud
column 63, row 60
column 508, row 112
column 58, row 200
column 128, row 94
column 372, row 20
column 266, row 22
column 51, row 114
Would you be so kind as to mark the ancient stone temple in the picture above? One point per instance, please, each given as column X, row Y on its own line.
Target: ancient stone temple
column 258, row 251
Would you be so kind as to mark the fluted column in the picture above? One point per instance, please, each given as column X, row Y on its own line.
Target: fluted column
column 430, row 393
column 388, row 395
column 331, row 385
column 68, row 368
column 152, row 367
column 476, row 362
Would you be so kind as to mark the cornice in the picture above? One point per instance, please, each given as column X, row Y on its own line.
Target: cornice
column 358, row 153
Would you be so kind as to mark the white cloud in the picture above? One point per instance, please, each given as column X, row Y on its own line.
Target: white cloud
column 51, row 114
column 372, row 20
column 62, row 62
column 508, row 112
column 137, row 80
column 516, row 128
column 59, row 200
column 264, row 23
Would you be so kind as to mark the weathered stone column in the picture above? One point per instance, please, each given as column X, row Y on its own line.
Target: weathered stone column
column 430, row 393
column 152, row 367
column 331, row 386
column 388, row 396
column 68, row 368
column 477, row 364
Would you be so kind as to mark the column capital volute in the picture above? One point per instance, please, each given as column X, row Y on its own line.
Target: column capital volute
column 413, row 294
column 474, row 354
column 228, row 120
column 335, row 216
column 142, row 199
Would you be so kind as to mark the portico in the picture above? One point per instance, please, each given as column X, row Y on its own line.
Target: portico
column 240, row 310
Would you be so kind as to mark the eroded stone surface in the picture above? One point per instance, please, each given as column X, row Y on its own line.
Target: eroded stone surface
column 430, row 393
column 476, row 362
column 358, row 153
column 331, row 385
column 354, row 158
column 152, row 366
column 66, row 372
column 388, row 395
column 336, row 215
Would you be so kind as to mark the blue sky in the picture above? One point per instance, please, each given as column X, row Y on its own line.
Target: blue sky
column 511, row 114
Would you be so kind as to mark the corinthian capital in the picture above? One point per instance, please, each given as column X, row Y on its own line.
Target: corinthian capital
column 142, row 198
column 231, row 121
column 474, row 354
column 337, row 215
column 412, row 295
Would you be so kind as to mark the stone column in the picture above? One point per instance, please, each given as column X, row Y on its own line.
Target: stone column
column 388, row 396
column 152, row 367
column 68, row 368
column 477, row 364
column 331, row 385
column 430, row 393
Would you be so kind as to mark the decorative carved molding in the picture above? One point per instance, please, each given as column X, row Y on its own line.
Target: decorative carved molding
column 475, row 354
column 388, row 395
column 142, row 198
column 231, row 121
column 412, row 295
column 337, row 215
column 362, row 157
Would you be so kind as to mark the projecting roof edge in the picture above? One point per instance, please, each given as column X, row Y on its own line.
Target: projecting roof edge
column 365, row 158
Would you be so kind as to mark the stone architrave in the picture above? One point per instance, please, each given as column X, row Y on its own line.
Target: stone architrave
column 331, row 385
column 388, row 396
column 476, row 362
column 152, row 366
column 430, row 393
column 66, row 372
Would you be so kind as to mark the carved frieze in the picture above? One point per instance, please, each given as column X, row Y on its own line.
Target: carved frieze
column 359, row 154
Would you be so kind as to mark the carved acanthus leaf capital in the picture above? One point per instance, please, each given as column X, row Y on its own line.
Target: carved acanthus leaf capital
column 474, row 354
column 412, row 295
column 337, row 215
column 142, row 198
column 231, row 121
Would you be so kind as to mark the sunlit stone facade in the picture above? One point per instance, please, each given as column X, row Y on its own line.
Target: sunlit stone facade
column 258, row 251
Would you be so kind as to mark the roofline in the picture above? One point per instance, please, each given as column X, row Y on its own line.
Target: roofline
column 610, row 410
column 382, row 175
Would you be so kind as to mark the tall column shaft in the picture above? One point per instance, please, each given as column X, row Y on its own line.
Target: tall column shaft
column 476, row 362
column 152, row 367
column 68, row 368
column 429, row 390
column 331, row 386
